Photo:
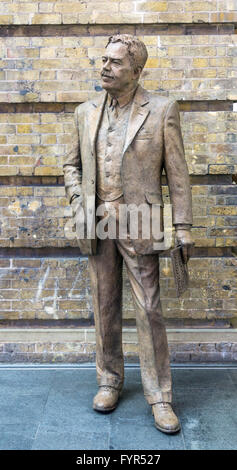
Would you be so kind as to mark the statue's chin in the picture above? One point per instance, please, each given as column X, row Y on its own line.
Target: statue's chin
column 106, row 86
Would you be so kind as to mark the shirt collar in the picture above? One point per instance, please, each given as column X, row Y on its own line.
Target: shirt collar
column 123, row 100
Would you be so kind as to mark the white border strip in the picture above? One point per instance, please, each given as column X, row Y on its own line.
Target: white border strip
column 87, row 335
column 91, row 366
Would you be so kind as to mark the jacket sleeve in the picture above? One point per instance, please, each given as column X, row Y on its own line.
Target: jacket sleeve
column 176, row 167
column 72, row 167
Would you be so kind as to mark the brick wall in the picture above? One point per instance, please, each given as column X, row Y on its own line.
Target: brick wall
column 50, row 62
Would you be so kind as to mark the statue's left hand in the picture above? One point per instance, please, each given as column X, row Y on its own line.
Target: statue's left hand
column 184, row 238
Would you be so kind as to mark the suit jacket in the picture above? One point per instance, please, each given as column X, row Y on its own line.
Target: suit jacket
column 153, row 142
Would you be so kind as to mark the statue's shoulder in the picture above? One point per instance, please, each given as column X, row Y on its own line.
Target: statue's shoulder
column 160, row 100
column 94, row 102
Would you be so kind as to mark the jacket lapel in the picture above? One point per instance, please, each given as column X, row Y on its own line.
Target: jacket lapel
column 94, row 117
column 137, row 116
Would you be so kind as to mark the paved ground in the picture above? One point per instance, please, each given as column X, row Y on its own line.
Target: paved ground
column 49, row 407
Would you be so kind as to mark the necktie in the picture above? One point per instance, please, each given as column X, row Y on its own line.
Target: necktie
column 114, row 107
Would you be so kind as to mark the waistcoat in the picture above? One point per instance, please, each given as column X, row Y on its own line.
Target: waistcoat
column 109, row 152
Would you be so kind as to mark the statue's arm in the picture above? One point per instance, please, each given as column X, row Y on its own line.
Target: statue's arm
column 72, row 166
column 178, row 180
column 176, row 168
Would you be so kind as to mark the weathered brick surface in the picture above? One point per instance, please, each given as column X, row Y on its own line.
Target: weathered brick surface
column 116, row 11
column 68, row 68
column 49, row 64
column 40, row 216
column 81, row 351
column 36, row 143
column 56, row 289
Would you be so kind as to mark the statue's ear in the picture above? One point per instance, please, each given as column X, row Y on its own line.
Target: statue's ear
column 137, row 71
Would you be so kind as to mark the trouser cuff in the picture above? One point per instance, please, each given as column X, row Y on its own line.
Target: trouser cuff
column 110, row 383
column 158, row 397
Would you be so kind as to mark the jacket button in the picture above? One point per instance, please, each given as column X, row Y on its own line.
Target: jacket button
column 92, row 182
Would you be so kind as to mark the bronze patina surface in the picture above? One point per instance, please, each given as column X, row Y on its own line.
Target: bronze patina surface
column 121, row 142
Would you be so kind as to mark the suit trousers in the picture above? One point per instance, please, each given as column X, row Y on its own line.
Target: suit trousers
column 105, row 270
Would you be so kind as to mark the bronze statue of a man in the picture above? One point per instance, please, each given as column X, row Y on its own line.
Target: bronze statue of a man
column 122, row 141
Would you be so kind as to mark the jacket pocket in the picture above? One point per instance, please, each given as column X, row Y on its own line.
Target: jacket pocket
column 154, row 198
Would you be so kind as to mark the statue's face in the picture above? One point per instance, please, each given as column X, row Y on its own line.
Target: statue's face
column 117, row 74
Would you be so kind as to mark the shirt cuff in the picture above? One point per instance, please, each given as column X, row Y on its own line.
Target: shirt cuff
column 182, row 226
column 73, row 197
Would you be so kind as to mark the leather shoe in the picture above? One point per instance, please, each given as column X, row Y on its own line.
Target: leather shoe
column 106, row 399
column 165, row 419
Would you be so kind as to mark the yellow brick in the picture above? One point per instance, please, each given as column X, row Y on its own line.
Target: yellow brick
column 48, row 139
column 223, row 210
column 49, row 42
column 47, row 75
column 49, row 161
column 174, row 51
column 200, row 6
column 171, row 84
column 152, row 62
column 46, row 19
column 126, row 6
column 19, row 117
column 171, row 40
column 200, row 62
column 87, row 41
column 200, row 17
column 175, row 17
column 165, row 62
column 200, row 128
column 31, row 52
column 29, row 97
column 47, row 53
column 220, row 241
column 48, row 170
column 76, row 52
column 71, row 18
column 48, row 128
column 24, row 129
column 69, row 7
column 151, row 84
column 150, row 40
column 46, row 7
column 221, row 62
column 46, row 117
column 80, row 96
column 8, row 171
column 24, row 139
column 6, row 19
column 102, row 6
column 178, row 74
column 26, row 170
column 18, row 8
column 64, row 139
column 21, row 19
column 22, row 75
column 152, row 6
column 49, row 64
column 208, row 73
column 21, row 160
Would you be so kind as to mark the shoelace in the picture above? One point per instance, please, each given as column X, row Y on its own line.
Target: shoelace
column 164, row 405
column 106, row 388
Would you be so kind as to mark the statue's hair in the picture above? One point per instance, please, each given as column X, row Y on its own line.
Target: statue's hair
column 137, row 50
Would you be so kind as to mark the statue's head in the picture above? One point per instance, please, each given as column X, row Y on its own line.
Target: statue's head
column 123, row 61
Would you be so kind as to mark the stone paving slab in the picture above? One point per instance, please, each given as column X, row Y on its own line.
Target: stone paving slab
column 49, row 408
